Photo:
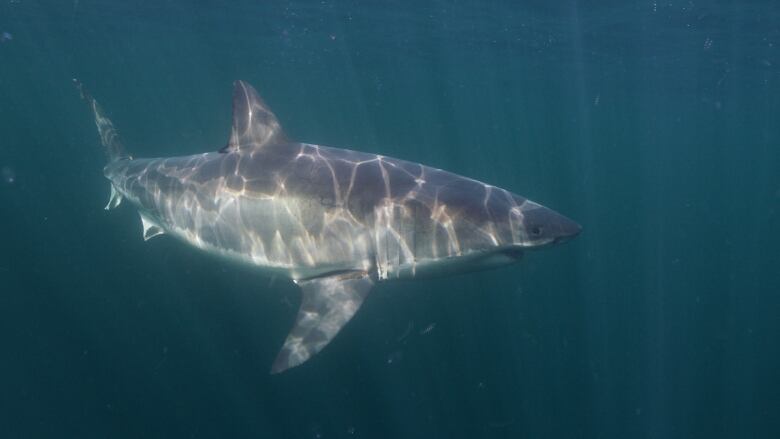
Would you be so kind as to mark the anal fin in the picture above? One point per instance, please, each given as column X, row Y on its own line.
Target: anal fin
column 151, row 229
column 328, row 303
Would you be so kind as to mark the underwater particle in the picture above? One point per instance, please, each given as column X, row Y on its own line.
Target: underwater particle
column 316, row 431
column 350, row 430
column 428, row 329
column 8, row 174
column 408, row 330
column 395, row 357
column 707, row 43
column 6, row 36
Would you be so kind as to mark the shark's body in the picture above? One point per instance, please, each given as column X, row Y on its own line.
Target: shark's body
column 333, row 220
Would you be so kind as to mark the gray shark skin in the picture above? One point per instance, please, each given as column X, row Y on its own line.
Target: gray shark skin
column 334, row 221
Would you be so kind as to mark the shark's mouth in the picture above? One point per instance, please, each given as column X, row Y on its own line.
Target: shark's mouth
column 513, row 252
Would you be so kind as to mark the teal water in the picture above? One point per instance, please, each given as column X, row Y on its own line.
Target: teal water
column 655, row 124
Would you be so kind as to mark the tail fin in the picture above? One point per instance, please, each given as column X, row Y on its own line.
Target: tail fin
column 108, row 135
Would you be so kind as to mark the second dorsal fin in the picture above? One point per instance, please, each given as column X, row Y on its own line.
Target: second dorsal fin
column 254, row 124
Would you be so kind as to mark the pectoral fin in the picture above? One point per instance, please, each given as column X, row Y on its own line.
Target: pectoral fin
column 328, row 303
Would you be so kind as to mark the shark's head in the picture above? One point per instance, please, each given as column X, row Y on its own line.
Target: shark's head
column 484, row 219
column 537, row 226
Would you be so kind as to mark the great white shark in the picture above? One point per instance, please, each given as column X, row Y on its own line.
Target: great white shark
column 334, row 221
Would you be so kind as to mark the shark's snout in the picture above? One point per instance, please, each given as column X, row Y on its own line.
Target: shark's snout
column 567, row 229
column 545, row 226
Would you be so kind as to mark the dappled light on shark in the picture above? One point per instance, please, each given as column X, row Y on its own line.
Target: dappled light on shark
column 334, row 221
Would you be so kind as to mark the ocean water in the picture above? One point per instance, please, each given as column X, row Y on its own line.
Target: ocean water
column 654, row 124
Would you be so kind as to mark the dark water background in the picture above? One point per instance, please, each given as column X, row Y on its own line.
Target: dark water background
column 655, row 124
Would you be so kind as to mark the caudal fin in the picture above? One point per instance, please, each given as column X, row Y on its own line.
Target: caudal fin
column 108, row 135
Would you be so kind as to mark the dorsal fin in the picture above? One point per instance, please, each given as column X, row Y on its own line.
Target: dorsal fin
column 254, row 124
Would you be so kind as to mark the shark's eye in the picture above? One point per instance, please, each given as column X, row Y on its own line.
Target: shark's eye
column 536, row 231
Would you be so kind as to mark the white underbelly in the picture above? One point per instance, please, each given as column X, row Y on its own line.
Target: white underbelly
column 277, row 263
column 449, row 265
